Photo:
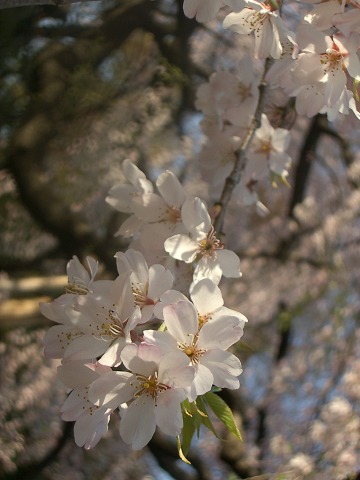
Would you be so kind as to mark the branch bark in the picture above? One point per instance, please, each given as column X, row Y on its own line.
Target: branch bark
column 31, row 3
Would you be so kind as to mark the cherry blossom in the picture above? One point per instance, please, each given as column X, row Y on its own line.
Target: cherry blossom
column 204, row 345
column 268, row 148
column 154, row 386
column 147, row 284
column 95, row 326
column 91, row 421
column 264, row 22
column 124, row 196
column 202, row 246
column 324, row 59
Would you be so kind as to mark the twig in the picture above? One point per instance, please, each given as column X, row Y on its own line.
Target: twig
column 235, row 176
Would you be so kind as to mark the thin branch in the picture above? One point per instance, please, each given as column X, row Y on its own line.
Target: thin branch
column 32, row 3
column 235, row 176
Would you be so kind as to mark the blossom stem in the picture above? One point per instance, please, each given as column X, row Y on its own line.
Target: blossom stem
column 235, row 176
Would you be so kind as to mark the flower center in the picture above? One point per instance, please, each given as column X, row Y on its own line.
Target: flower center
column 77, row 287
column 173, row 214
column 264, row 147
column 332, row 60
column 112, row 326
column 192, row 351
column 140, row 298
column 149, row 386
column 210, row 244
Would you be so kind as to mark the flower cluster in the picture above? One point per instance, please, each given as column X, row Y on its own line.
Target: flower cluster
column 312, row 61
column 155, row 342
column 136, row 343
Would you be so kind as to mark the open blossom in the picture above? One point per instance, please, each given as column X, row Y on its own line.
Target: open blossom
column 124, row 196
column 322, row 14
column 147, row 284
column 204, row 344
column 325, row 60
column 94, row 326
column 348, row 22
column 266, row 24
column 91, row 421
column 228, row 97
column 81, row 281
column 155, row 216
column 208, row 301
column 153, row 389
column 269, row 148
column 202, row 246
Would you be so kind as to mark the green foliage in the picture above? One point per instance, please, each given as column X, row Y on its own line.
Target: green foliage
column 223, row 412
column 196, row 414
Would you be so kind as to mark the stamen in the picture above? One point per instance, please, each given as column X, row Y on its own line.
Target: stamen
column 149, row 386
column 210, row 244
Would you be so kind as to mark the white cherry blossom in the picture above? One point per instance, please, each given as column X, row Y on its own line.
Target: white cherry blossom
column 325, row 60
column 154, row 387
column 91, row 421
column 269, row 148
column 94, row 326
column 147, row 283
column 266, row 24
column 124, row 196
column 203, row 344
column 202, row 246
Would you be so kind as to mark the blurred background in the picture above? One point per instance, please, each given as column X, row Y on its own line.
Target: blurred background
column 82, row 88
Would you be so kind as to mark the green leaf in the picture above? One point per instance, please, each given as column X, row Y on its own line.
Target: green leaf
column 188, row 430
column 223, row 412
column 355, row 86
column 205, row 420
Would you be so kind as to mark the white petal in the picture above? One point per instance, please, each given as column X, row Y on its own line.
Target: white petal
column 194, row 213
column 112, row 389
column 112, row 356
column 160, row 280
column 168, row 411
column 85, row 347
column 181, row 320
column 143, row 359
column 208, row 267
column 202, row 383
column 206, row 296
column 171, row 189
column 225, row 368
column 138, row 424
column 229, row 263
column 76, row 374
column 89, row 429
column 220, row 333
column 182, row 248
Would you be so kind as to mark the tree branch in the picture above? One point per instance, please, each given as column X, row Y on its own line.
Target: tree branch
column 32, row 3
column 235, row 176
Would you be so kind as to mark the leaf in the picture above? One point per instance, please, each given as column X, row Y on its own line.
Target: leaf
column 355, row 86
column 223, row 412
column 181, row 454
column 205, row 420
column 188, row 430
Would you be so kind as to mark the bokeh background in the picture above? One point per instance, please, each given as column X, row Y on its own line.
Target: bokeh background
column 82, row 88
